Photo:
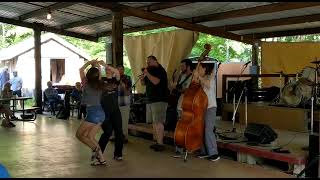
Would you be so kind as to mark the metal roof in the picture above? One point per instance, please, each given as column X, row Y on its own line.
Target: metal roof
column 88, row 21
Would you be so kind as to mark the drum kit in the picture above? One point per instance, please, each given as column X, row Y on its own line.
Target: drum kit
column 298, row 93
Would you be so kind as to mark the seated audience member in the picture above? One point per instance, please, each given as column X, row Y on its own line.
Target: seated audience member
column 4, row 172
column 5, row 106
column 76, row 96
column 52, row 96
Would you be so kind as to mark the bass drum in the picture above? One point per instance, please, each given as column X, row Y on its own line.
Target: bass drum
column 296, row 93
column 308, row 76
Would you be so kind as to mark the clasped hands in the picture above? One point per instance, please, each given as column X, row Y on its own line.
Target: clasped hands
column 97, row 63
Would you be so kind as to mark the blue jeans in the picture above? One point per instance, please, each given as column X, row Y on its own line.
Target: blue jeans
column 95, row 114
column 210, row 142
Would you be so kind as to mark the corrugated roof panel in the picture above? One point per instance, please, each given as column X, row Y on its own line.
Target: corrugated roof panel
column 18, row 8
column 205, row 8
column 93, row 28
column 279, row 28
column 87, row 10
column 58, row 18
column 263, row 17
column 8, row 14
column 43, row 4
column 82, row 30
column 135, row 21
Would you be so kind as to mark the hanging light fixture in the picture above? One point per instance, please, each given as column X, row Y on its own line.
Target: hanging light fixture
column 49, row 15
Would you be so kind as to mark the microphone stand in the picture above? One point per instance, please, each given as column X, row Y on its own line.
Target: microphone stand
column 244, row 90
column 134, row 89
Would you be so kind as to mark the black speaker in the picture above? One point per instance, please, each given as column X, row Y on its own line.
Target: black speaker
column 260, row 133
column 313, row 170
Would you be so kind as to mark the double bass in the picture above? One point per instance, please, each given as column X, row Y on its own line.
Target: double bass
column 189, row 131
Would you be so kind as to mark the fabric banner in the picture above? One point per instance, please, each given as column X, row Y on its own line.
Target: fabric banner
column 168, row 47
column 288, row 57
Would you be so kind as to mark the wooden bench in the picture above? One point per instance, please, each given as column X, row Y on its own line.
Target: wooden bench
column 245, row 153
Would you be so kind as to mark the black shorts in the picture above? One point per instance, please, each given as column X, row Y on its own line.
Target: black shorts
column 18, row 93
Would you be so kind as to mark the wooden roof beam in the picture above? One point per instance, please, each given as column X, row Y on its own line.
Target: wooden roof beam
column 294, row 32
column 169, row 20
column 271, row 23
column 271, row 8
column 45, row 10
column 152, row 7
column 46, row 28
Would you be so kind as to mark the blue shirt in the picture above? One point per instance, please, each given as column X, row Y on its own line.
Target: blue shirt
column 16, row 83
column 4, row 77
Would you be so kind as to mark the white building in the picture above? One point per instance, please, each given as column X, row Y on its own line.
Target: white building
column 60, row 61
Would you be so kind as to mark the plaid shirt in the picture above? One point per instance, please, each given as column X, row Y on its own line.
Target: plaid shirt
column 124, row 91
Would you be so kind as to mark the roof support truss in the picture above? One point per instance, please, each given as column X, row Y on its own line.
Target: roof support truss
column 152, row 7
column 276, row 7
column 169, row 20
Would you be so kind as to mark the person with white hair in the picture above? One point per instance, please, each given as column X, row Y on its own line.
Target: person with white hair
column 4, row 76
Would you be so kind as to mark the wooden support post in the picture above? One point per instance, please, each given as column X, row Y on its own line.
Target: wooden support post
column 117, row 38
column 37, row 57
column 109, row 50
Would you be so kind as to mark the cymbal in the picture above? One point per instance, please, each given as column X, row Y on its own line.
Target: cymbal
column 316, row 62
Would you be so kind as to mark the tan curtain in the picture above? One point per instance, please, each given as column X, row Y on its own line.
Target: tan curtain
column 169, row 48
column 289, row 57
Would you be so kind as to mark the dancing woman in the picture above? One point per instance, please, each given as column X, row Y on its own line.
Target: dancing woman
column 92, row 90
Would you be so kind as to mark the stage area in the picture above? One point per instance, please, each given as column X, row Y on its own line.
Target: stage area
column 48, row 148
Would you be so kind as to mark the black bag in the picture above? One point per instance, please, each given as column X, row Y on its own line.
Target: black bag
column 64, row 112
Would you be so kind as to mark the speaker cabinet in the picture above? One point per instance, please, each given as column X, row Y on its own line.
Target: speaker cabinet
column 260, row 133
column 313, row 171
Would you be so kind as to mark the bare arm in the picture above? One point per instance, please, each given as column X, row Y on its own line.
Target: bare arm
column 153, row 79
column 206, row 82
column 81, row 70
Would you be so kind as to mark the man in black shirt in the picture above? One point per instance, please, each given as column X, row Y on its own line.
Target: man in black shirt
column 113, row 121
column 156, row 82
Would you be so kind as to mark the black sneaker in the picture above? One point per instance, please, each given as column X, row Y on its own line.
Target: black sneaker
column 201, row 156
column 215, row 157
column 11, row 124
column 118, row 158
column 153, row 146
column 159, row 147
column 177, row 154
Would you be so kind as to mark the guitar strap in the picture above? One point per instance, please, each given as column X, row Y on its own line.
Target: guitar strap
column 184, row 79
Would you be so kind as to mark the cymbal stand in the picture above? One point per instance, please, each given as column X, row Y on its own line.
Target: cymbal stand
column 280, row 85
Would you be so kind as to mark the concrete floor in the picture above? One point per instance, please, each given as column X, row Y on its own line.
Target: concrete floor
column 48, row 148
